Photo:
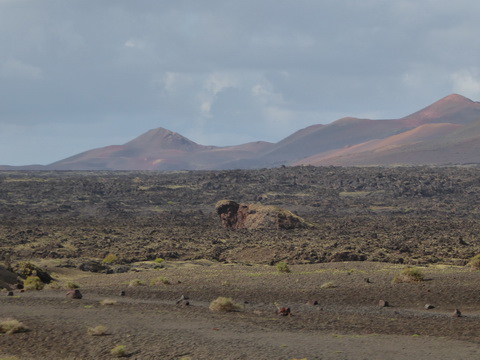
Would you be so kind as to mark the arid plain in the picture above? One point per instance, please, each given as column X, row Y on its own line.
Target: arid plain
column 157, row 238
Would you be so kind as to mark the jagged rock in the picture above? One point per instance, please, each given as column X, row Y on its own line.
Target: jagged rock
column 94, row 266
column 74, row 294
column 25, row 269
column 429, row 306
column 256, row 216
column 457, row 313
column 383, row 303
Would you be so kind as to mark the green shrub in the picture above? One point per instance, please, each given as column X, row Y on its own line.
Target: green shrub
column 282, row 267
column 110, row 259
column 159, row 260
column 408, row 275
column 224, row 304
column 119, row 351
column 11, row 326
column 33, row 283
column 475, row 262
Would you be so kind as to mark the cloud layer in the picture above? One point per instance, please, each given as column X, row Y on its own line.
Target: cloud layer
column 84, row 73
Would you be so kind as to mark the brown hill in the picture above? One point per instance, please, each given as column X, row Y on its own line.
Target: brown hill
column 446, row 132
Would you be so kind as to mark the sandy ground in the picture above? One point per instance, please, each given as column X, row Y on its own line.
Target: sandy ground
column 347, row 323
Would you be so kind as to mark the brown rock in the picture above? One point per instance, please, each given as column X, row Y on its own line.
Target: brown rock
column 429, row 306
column 10, row 293
column 457, row 313
column 383, row 303
column 256, row 216
column 74, row 294
column 312, row 302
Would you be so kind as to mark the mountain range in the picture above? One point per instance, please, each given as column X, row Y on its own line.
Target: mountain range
column 444, row 133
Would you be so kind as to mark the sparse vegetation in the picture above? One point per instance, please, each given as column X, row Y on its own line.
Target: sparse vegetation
column 328, row 285
column 159, row 260
column 33, row 283
column 99, row 330
column 11, row 326
column 136, row 282
column 160, row 280
column 224, row 304
column 110, row 259
column 108, row 302
column 119, row 351
column 409, row 275
column 72, row 285
column 283, row 267
column 475, row 262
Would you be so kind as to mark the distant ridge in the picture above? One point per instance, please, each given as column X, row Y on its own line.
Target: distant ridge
column 446, row 132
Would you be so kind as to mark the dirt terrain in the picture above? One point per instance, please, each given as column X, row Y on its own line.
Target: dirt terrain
column 347, row 323
column 365, row 226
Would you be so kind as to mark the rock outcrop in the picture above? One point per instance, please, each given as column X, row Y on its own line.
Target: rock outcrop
column 255, row 216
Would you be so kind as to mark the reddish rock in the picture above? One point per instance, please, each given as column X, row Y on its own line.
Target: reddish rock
column 74, row 294
column 284, row 311
column 256, row 216
column 457, row 313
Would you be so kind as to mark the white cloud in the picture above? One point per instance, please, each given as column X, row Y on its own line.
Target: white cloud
column 467, row 83
column 135, row 43
column 17, row 69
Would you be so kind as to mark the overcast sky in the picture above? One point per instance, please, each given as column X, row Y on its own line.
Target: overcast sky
column 80, row 74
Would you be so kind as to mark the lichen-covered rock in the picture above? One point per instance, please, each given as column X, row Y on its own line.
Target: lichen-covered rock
column 257, row 216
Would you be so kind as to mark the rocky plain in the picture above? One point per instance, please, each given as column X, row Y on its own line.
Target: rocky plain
column 150, row 251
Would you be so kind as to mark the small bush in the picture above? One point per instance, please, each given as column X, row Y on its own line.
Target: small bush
column 328, row 285
column 97, row 330
column 108, row 302
column 408, row 275
column 33, row 283
column 282, row 267
column 110, row 259
column 160, row 280
column 11, row 326
column 159, row 260
column 119, row 351
column 475, row 262
column 224, row 304
column 136, row 282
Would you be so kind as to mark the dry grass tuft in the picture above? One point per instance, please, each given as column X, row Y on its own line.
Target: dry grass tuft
column 136, row 282
column 328, row 285
column 99, row 330
column 119, row 351
column 224, row 304
column 475, row 263
column 108, row 302
column 11, row 326
column 409, row 275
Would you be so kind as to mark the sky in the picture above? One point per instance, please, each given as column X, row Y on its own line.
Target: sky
column 82, row 74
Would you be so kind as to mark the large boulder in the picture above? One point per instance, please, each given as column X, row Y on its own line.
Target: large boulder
column 25, row 269
column 257, row 216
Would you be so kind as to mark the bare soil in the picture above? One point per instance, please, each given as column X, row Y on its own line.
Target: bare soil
column 347, row 323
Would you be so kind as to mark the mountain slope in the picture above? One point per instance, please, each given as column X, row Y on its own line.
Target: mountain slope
column 445, row 132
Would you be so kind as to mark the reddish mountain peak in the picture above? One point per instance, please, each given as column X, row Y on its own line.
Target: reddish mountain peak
column 161, row 138
column 451, row 108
